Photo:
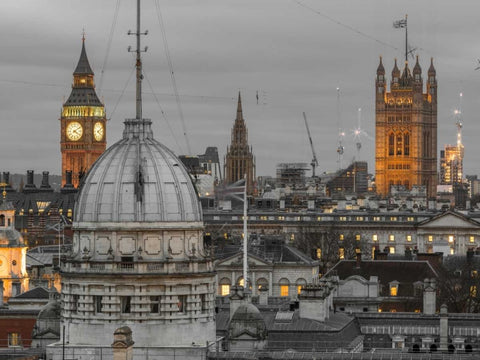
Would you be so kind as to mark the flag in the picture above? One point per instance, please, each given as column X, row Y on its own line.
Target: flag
column 400, row 24
column 235, row 190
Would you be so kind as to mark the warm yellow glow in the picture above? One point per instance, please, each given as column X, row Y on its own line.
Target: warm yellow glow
column 392, row 249
column 472, row 239
column 358, row 237
column 430, row 238
column 409, row 238
column 80, row 111
column 341, row 237
column 473, row 291
column 319, row 253
column 299, row 289
column 341, row 253
column 225, row 290
column 241, row 282
column 450, row 238
column 393, row 290
column 391, row 237
column 374, row 237
column 283, row 290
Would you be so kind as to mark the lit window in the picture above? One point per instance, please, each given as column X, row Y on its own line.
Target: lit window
column 125, row 304
column 241, row 282
column 376, row 218
column 473, row 291
column 409, row 238
column 379, row 310
column 292, row 237
column 393, row 218
column 359, row 218
column 391, row 237
column 155, row 304
column 374, row 248
column 13, row 339
column 319, row 218
column 374, row 237
column 281, row 218
column 417, row 310
column 472, row 239
column 358, row 237
column 341, row 253
column 283, row 290
column 393, row 310
column 341, row 237
column 474, row 273
column 452, row 251
column 410, row 218
column 343, row 218
column 392, row 249
column 430, row 238
column 393, row 290
column 319, row 253
column 225, row 290
column 299, row 289
column 450, row 238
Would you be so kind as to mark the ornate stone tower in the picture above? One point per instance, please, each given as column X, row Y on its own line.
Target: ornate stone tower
column 406, row 129
column 239, row 159
column 82, row 129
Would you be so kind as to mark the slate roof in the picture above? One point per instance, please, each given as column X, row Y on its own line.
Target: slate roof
column 35, row 293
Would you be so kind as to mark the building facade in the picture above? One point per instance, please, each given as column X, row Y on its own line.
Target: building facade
column 82, row 123
column 239, row 161
column 406, row 129
column 451, row 164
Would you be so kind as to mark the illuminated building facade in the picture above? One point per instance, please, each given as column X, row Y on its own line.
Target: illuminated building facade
column 239, row 159
column 13, row 252
column 451, row 165
column 406, row 129
column 82, row 130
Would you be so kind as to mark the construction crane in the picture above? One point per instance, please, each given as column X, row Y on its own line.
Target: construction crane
column 314, row 162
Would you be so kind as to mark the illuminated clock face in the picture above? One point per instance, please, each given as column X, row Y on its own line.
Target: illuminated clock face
column 98, row 131
column 74, row 131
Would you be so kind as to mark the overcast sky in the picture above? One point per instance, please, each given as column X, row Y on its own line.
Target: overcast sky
column 294, row 53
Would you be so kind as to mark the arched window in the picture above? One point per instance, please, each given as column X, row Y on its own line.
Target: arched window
column 284, row 287
column 399, row 146
column 391, row 144
column 299, row 284
column 406, row 144
column 262, row 283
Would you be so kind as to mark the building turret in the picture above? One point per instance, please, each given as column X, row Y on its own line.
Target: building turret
column 380, row 83
column 395, row 75
column 432, row 83
column 406, row 79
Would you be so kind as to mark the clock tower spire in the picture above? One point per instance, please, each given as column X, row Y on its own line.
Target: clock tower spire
column 82, row 123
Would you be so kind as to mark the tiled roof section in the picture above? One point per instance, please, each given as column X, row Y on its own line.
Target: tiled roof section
column 36, row 293
column 84, row 96
column 83, row 66
column 385, row 270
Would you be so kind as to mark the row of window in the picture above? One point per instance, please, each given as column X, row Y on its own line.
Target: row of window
column 408, row 238
column 320, row 218
column 126, row 304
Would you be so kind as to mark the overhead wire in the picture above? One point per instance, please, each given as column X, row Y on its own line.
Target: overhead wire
column 123, row 91
column 349, row 27
column 109, row 44
column 161, row 110
column 172, row 73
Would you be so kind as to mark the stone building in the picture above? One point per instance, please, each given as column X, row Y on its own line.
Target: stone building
column 82, row 123
column 239, row 160
column 406, row 129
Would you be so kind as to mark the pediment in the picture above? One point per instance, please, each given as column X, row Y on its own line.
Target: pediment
column 450, row 220
column 237, row 260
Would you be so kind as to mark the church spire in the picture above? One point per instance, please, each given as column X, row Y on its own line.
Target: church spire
column 239, row 107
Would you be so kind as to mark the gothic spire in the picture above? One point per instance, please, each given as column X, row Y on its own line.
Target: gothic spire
column 380, row 68
column 239, row 107
column 83, row 66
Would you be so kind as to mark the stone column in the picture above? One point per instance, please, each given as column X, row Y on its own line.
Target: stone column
column 270, row 283
column 429, row 296
column 443, row 327
column 122, row 344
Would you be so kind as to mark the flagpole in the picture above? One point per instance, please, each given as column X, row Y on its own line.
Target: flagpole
column 245, row 236
column 406, row 38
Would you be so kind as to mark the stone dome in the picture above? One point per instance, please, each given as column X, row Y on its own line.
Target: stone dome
column 247, row 320
column 137, row 180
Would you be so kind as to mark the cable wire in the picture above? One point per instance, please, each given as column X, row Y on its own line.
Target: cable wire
column 172, row 73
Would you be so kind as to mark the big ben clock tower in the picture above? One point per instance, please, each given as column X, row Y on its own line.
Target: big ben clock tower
column 82, row 130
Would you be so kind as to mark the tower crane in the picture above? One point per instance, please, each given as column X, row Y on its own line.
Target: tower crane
column 314, row 162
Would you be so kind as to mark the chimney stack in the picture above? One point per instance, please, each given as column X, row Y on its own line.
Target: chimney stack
column 29, row 186
column 45, row 186
column 429, row 296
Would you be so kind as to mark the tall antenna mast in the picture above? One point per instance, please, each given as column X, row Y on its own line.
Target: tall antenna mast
column 138, row 64
column 358, row 132
column 341, row 134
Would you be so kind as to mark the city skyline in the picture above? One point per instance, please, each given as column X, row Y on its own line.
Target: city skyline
column 295, row 54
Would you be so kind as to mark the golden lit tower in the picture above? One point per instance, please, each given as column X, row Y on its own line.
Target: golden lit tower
column 82, row 129
column 239, row 159
column 406, row 129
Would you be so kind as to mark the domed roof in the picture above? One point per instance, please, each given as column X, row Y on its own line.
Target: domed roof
column 247, row 319
column 137, row 180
